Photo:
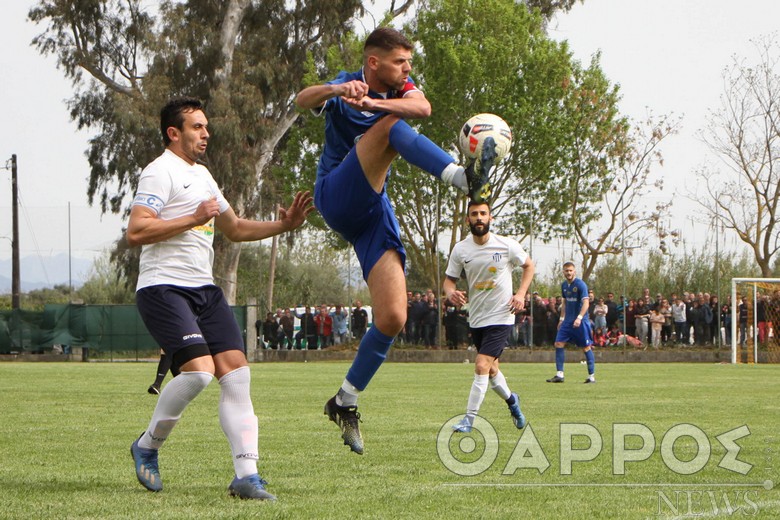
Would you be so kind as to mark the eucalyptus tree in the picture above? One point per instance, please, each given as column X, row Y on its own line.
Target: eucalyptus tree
column 245, row 58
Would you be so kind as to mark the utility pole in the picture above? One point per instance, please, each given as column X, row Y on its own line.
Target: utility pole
column 15, row 276
column 272, row 267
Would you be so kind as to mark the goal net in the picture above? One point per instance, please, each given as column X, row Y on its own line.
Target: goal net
column 755, row 320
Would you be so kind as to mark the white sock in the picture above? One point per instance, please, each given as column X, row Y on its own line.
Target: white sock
column 499, row 386
column 238, row 420
column 559, row 374
column 477, row 395
column 348, row 395
column 454, row 175
column 174, row 398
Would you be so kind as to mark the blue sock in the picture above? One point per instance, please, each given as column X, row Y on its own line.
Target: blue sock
column 418, row 150
column 370, row 356
column 591, row 359
column 560, row 355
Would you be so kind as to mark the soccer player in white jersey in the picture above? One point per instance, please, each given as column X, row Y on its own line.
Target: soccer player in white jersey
column 176, row 208
column 488, row 260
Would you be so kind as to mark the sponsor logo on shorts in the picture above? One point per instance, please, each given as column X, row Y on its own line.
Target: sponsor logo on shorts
column 187, row 337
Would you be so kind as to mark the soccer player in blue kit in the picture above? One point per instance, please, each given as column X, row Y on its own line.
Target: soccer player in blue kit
column 574, row 325
column 365, row 129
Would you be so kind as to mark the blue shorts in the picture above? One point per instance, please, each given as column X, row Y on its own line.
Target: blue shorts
column 580, row 336
column 491, row 340
column 182, row 317
column 363, row 217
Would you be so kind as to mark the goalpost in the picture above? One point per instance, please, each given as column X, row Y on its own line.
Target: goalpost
column 761, row 296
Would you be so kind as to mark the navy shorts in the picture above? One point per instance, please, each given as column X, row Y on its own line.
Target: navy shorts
column 363, row 217
column 182, row 317
column 491, row 340
column 580, row 336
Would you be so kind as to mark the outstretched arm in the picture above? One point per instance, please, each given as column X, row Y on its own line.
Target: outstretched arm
column 243, row 230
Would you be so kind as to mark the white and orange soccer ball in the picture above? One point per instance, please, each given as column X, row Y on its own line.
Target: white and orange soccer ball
column 480, row 126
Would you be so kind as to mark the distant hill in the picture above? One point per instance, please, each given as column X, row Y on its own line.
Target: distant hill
column 41, row 272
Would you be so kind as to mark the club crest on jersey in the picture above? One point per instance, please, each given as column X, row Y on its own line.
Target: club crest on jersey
column 574, row 289
column 496, row 257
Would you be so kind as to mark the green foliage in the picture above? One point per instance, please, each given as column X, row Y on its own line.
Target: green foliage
column 106, row 285
column 36, row 299
column 667, row 274
column 494, row 56
column 310, row 275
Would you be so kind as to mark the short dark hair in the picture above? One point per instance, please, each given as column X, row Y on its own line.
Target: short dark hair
column 171, row 114
column 473, row 202
column 569, row 263
column 387, row 39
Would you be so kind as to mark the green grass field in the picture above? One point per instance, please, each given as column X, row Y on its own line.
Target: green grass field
column 66, row 428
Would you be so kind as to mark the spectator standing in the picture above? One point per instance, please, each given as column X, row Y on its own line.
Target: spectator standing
column 359, row 321
column 539, row 324
column 708, row 318
column 665, row 309
column 450, row 322
column 600, row 310
column 324, row 326
column 689, row 304
column 339, row 317
column 612, row 310
column 742, row 311
column 308, row 330
column 679, row 316
column 417, row 315
column 552, row 317
column 271, row 331
column 761, row 318
column 656, row 320
column 641, row 319
column 715, row 324
column 287, row 322
column 725, row 319
column 630, row 317
column 430, row 320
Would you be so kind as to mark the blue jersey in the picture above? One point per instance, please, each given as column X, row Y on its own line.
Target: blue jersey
column 573, row 294
column 343, row 124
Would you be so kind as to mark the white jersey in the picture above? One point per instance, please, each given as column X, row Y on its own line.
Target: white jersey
column 488, row 271
column 173, row 188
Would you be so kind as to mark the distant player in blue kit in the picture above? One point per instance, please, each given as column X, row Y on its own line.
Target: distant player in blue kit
column 574, row 325
column 365, row 129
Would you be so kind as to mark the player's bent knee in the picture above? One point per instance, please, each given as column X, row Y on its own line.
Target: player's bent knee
column 390, row 325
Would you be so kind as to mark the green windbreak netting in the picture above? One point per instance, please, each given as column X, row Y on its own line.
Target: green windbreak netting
column 97, row 327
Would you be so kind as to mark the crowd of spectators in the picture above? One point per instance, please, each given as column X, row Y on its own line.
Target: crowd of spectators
column 647, row 320
column 317, row 329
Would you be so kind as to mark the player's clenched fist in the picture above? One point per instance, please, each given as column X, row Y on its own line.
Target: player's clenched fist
column 207, row 210
column 354, row 89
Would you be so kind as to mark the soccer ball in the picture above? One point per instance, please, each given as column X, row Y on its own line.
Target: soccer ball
column 480, row 126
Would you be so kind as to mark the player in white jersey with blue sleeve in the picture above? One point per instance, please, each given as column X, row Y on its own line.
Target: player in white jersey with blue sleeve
column 488, row 259
column 175, row 211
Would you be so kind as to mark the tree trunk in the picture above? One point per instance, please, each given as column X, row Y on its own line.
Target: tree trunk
column 226, row 255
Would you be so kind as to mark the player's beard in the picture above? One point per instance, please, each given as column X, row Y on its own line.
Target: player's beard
column 480, row 231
